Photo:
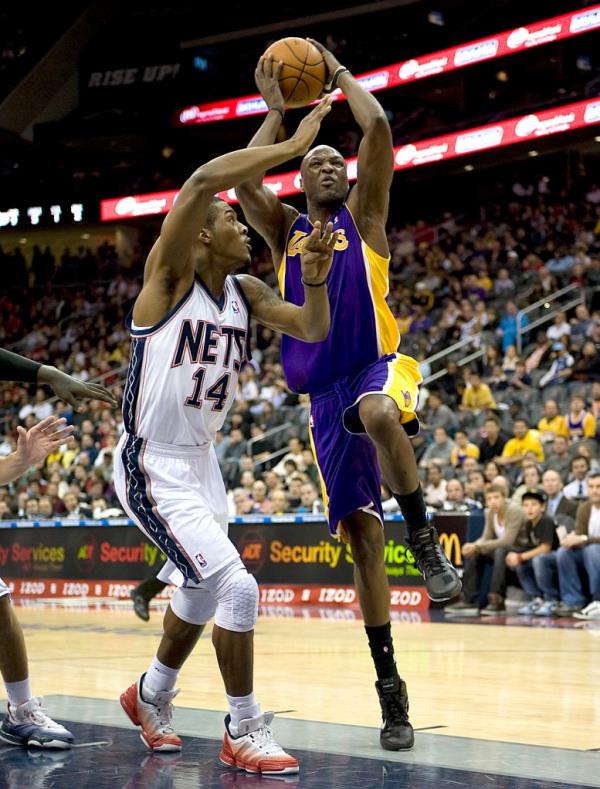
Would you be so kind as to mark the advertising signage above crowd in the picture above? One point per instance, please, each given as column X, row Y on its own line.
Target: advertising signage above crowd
column 522, row 128
column 507, row 43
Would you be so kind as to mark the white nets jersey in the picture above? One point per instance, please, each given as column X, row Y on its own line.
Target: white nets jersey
column 183, row 372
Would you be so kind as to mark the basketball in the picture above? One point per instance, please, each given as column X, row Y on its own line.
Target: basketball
column 304, row 72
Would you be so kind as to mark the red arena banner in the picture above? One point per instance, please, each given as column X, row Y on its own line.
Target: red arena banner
column 507, row 43
column 522, row 128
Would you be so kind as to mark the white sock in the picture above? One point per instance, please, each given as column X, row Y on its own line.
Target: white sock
column 18, row 692
column 159, row 677
column 241, row 707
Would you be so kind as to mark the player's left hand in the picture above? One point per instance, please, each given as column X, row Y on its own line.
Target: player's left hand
column 330, row 59
column 35, row 444
column 71, row 390
column 317, row 253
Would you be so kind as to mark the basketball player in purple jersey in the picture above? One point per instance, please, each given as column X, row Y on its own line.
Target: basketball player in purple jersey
column 190, row 339
column 356, row 433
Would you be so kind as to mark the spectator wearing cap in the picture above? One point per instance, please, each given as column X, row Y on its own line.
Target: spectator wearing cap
column 494, row 440
column 559, row 369
column 580, row 423
column 578, row 487
column 552, row 424
column 464, row 449
column 558, row 506
column 504, row 531
column 524, row 441
column 541, row 539
column 477, row 396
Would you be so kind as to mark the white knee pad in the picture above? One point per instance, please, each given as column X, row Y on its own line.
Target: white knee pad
column 237, row 601
column 193, row 605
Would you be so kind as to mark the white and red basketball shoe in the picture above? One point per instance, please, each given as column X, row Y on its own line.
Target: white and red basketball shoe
column 254, row 748
column 153, row 714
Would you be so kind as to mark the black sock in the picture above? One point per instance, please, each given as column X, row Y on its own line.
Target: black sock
column 413, row 508
column 150, row 588
column 382, row 651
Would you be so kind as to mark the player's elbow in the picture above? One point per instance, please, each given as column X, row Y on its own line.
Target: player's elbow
column 378, row 122
column 316, row 333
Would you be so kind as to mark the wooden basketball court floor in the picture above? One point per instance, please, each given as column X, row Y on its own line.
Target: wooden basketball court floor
column 493, row 704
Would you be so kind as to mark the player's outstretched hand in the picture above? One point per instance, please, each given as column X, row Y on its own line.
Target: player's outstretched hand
column 71, row 390
column 35, row 444
column 266, row 77
column 330, row 59
column 310, row 125
column 317, row 254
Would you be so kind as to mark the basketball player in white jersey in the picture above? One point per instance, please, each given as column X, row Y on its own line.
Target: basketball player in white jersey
column 190, row 337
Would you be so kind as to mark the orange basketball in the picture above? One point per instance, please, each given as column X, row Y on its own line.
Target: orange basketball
column 304, row 72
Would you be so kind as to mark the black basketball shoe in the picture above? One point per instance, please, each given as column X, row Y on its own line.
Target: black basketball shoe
column 441, row 578
column 396, row 732
column 140, row 605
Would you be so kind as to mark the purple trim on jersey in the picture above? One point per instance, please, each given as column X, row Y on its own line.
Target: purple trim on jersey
column 132, row 384
column 167, row 317
column 352, row 341
column 139, row 498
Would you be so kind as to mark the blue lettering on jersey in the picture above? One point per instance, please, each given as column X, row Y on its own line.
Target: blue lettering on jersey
column 199, row 343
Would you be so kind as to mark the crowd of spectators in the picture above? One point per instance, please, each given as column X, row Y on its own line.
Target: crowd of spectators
column 516, row 411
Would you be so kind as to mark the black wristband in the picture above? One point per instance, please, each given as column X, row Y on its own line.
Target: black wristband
column 279, row 110
column 17, row 368
column 332, row 84
column 314, row 284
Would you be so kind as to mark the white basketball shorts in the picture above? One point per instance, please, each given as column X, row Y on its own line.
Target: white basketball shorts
column 3, row 588
column 177, row 498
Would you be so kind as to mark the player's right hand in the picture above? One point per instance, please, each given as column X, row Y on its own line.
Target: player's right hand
column 310, row 125
column 36, row 444
column 266, row 77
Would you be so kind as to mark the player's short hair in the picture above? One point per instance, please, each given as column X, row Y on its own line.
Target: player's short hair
column 213, row 211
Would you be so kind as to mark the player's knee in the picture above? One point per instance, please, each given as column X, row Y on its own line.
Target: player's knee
column 237, row 602
column 379, row 416
column 366, row 542
column 189, row 608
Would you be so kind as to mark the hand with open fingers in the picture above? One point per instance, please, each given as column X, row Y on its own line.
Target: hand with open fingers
column 35, row 444
column 266, row 77
column 71, row 390
column 311, row 123
column 330, row 59
column 317, row 254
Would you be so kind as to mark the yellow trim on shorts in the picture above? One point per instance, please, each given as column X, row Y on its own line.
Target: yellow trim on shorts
column 402, row 385
column 321, row 477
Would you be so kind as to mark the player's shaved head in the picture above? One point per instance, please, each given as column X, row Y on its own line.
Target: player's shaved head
column 324, row 176
column 327, row 150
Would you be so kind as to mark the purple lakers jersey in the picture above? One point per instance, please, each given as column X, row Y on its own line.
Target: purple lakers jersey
column 363, row 328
